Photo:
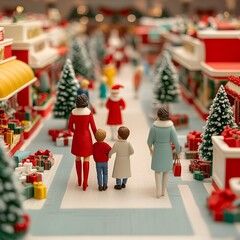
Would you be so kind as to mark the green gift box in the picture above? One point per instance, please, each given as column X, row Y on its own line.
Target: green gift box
column 19, row 155
column 198, row 175
column 18, row 130
column 231, row 215
column 28, row 190
column 12, row 125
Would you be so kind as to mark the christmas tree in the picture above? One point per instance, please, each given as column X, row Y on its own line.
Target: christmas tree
column 220, row 115
column 166, row 87
column 66, row 92
column 13, row 222
column 79, row 59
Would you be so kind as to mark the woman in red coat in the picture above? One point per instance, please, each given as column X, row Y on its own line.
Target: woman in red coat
column 80, row 119
column 115, row 104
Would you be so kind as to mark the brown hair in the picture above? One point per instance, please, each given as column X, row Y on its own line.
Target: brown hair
column 123, row 132
column 82, row 101
column 163, row 114
column 100, row 135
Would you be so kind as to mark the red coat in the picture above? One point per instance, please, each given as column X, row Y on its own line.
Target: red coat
column 115, row 107
column 100, row 151
column 79, row 122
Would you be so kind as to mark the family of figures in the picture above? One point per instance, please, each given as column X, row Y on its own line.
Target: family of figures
column 161, row 135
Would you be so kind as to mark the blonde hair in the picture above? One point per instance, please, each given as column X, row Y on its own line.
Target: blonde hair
column 100, row 135
column 84, row 83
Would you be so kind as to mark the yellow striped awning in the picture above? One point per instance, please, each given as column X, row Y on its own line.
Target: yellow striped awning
column 15, row 75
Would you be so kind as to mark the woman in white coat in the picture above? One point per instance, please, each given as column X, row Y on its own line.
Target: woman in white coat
column 161, row 135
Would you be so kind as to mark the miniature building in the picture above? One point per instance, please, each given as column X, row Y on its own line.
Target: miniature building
column 233, row 89
column 226, row 163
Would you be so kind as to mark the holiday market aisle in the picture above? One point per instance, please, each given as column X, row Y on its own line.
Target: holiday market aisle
column 69, row 213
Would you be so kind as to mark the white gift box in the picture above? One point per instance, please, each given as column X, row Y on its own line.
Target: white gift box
column 64, row 141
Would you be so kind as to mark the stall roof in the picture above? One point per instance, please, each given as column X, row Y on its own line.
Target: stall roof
column 15, row 75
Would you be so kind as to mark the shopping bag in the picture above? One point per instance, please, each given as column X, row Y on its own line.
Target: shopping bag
column 177, row 168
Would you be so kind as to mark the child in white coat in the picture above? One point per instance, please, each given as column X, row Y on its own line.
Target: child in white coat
column 123, row 150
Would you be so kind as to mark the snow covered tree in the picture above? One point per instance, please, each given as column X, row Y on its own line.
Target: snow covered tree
column 166, row 87
column 11, row 210
column 81, row 61
column 220, row 115
column 78, row 60
column 66, row 92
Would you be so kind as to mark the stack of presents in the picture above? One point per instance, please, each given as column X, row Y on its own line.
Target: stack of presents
column 9, row 128
column 61, row 137
column 224, row 205
column 231, row 136
column 30, row 169
column 200, row 169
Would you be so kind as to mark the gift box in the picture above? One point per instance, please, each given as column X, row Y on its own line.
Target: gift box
column 18, row 130
column 30, row 158
column 39, row 162
column 198, row 175
column 40, row 191
column 34, row 177
column 24, row 113
column 191, row 155
column 8, row 136
column 231, row 215
column 47, row 165
column 55, row 132
column 39, row 169
column 12, row 125
column 26, row 124
column 232, row 141
column 28, row 190
column 19, row 155
column 64, row 141
column 43, row 153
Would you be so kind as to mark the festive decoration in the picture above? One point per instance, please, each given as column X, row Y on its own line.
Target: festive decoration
column 220, row 115
column 166, row 87
column 11, row 212
column 66, row 93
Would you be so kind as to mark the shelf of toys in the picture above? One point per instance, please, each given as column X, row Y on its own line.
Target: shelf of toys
column 221, row 60
column 31, row 45
column 15, row 112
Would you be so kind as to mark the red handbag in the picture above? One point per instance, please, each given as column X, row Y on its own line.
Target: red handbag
column 177, row 168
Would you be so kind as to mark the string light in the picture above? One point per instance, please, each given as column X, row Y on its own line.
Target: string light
column 19, row 9
column 131, row 18
column 99, row 17
column 82, row 9
column 84, row 20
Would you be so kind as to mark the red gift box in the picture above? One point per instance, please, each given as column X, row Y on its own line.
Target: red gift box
column 34, row 177
column 31, row 158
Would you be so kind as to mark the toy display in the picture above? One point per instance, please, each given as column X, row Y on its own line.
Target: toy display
column 161, row 134
column 100, row 155
column 115, row 104
column 81, row 118
column 123, row 150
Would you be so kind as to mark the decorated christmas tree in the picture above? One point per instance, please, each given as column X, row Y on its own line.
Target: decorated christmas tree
column 66, row 92
column 14, row 223
column 166, row 87
column 220, row 115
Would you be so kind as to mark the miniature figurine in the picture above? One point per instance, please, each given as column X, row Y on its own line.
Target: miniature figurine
column 84, row 85
column 84, row 88
column 137, row 78
column 115, row 104
column 80, row 119
column 109, row 70
column 103, row 90
column 100, row 155
column 123, row 150
column 160, row 137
